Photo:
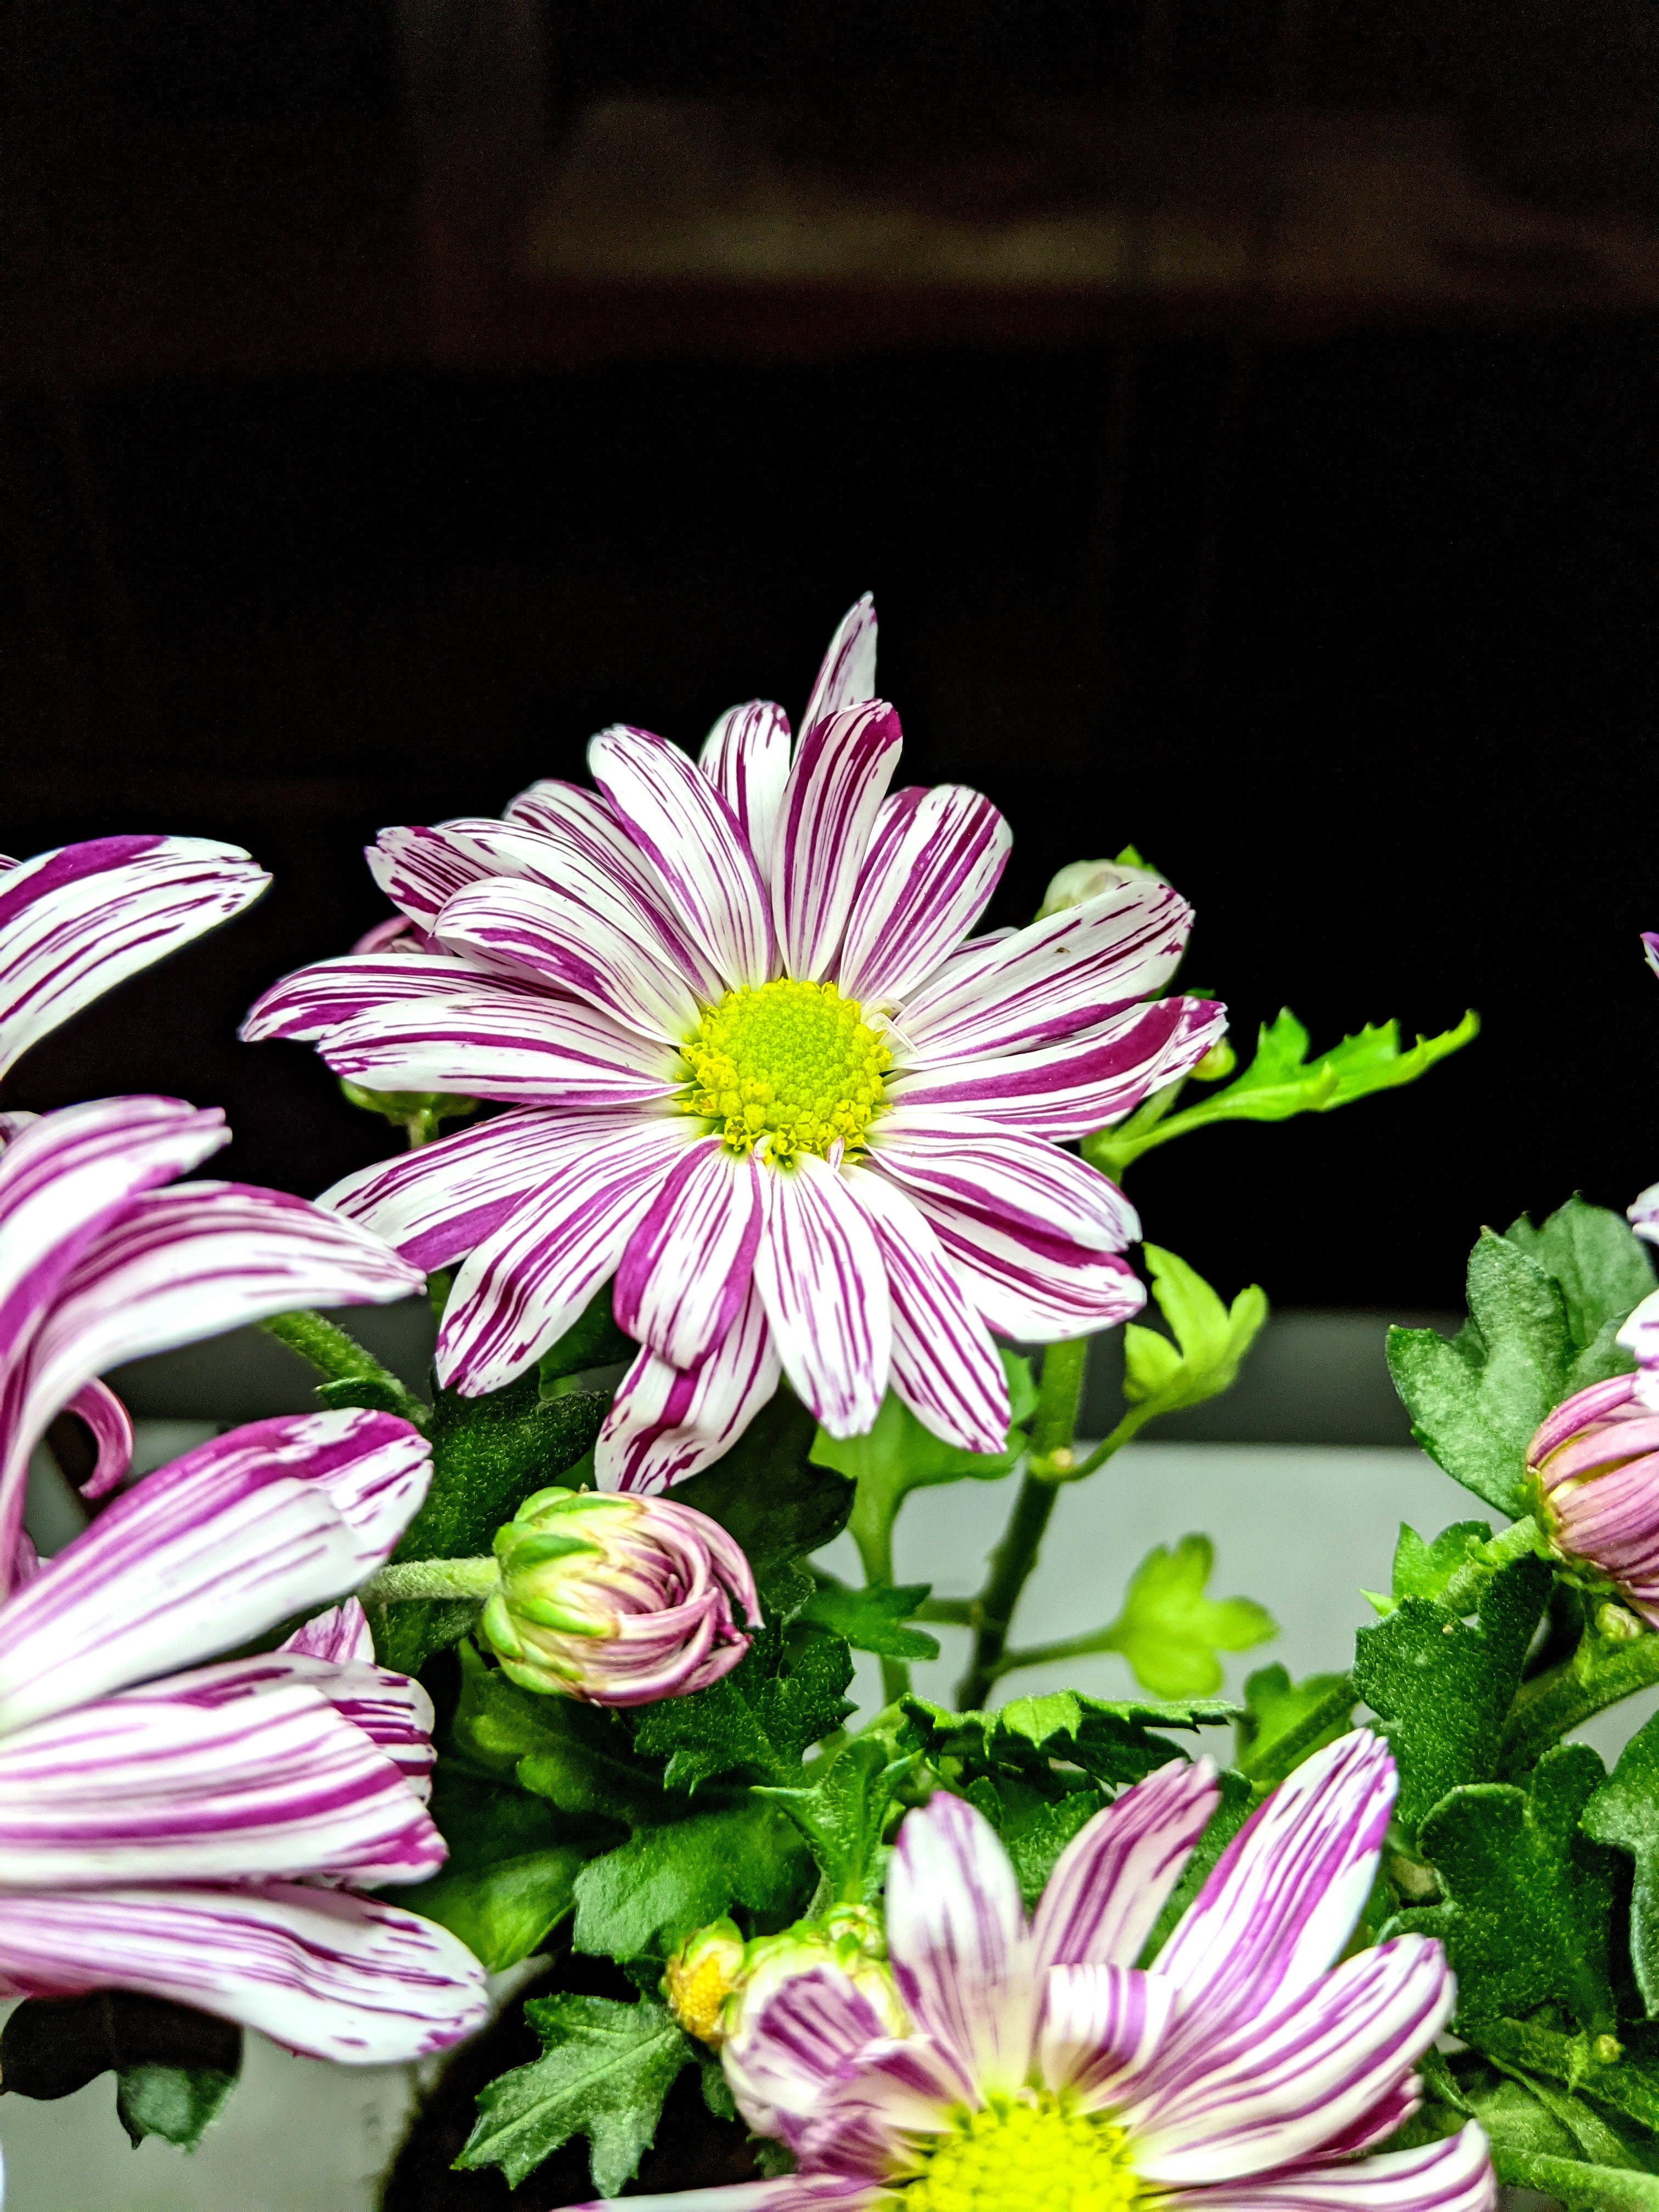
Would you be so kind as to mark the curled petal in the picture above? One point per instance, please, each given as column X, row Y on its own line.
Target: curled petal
column 111, row 1424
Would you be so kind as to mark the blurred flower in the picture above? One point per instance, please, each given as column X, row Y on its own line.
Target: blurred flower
column 762, row 1072
column 616, row 1601
column 1594, row 1466
column 1045, row 2068
column 848, row 1942
column 1079, row 881
column 700, row 1975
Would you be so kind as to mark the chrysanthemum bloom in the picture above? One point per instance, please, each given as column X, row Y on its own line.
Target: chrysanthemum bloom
column 617, row 1600
column 1238, row 2073
column 762, row 1072
column 1594, row 1468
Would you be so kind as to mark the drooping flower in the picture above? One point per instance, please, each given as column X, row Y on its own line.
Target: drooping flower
column 100, row 1264
column 760, row 1070
column 76, row 921
column 1594, row 1469
column 1238, row 2073
column 616, row 1601
column 200, row 1835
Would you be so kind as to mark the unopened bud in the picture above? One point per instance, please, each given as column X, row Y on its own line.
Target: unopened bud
column 849, row 1945
column 701, row 1976
column 1081, row 880
column 618, row 1600
column 1593, row 1467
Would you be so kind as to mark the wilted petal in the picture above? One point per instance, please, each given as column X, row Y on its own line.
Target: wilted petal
column 75, row 922
column 666, row 1423
column 1110, row 1882
column 337, row 1976
column 1016, row 1181
column 819, row 1273
column 111, row 1424
column 955, row 1932
column 920, row 893
column 686, row 1273
column 1454, row 2175
column 746, row 757
column 840, row 777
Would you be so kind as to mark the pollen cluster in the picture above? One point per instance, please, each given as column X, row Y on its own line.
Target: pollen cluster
column 696, row 1995
column 1012, row 2155
column 793, row 1066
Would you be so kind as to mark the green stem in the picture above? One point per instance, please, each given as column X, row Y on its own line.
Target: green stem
column 1054, row 1427
column 1599, row 2188
column 429, row 1578
column 1550, row 1705
column 341, row 1358
column 872, row 1529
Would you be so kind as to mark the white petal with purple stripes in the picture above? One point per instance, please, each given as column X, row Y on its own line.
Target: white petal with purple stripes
column 685, row 1273
column 819, row 1273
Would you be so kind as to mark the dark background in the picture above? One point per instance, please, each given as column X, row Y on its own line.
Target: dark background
column 1351, row 633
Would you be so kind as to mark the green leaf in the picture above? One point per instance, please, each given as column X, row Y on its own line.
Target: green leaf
column 641, row 1900
column 509, row 1880
column 1475, row 1399
column 1627, row 2084
column 1423, row 1570
column 1213, row 1337
column 591, row 1340
column 873, row 1620
column 1284, row 1723
column 766, row 1493
column 1230, row 1815
column 1443, row 1687
column 605, row 2071
column 759, row 1719
column 178, row 2103
column 1624, row 1813
column 841, row 1811
column 1035, row 1828
column 1527, row 1898
column 1112, row 1741
column 577, row 1757
column 1169, row 1631
column 489, row 1455
column 1601, row 1268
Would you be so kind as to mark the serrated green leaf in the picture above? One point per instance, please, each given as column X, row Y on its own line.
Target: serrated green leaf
column 1423, row 1570
column 1034, row 1830
column 1112, row 1741
column 641, row 1900
column 178, row 2103
column 1624, row 1813
column 1170, row 1631
column 1284, row 1723
column 1527, row 1898
column 1602, row 1266
column 605, row 2070
column 577, row 1757
column 760, row 1719
column 1211, row 1338
column 593, row 1340
column 1281, row 1080
column 841, row 1811
column 1443, row 1687
column 1627, row 2085
column 873, row 1620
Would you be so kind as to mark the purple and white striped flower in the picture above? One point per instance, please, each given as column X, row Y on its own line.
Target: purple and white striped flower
column 1593, row 1470
column 758, row 1070
column 200, row 1835
column 99, row 1263
column 75, row 922
column 617, row 1600
column 1238, row 2073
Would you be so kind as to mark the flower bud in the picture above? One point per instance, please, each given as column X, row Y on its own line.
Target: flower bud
column 1594, row 1467
column 616, row 1600
column 1081, row 880
column 701, row 1976
column 848, row 1942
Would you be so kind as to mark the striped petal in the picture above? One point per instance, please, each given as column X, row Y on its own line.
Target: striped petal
column 921, row 890
column 694, row 840
column 1112, row 1880
column 1087, row 1081
column 436, row 1203
column 779, row 2067
column 581, row 820
column 894, row 2096
column 495, row 1040
column 847, row 676
column 1035, row 1288
column 686, row 1273
column 111, row 1434
column 392, row 1710
column 819, row 1274
column 836, row 788
column 790, row 2193
column 151, row 1786
column 314, row 1002
column 75, row 922
column 342, row 1634
column 1285, row 1893
column 1453, row 2175
column 334, row 1976
column 1289, row 2084
column 420, row 869
column 946, row 1366
column 1102, row 2029
column 1037, row 985
column 666, row 1423
column 1643, row 1213
column 245, row 1531
column 584, row 938
column 956, row 1936
column 1004, row 1175
column 525, row 1283
column 746, row 757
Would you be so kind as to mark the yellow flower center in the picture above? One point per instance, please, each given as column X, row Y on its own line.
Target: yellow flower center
column 1013, row 2155
column 793, row 1066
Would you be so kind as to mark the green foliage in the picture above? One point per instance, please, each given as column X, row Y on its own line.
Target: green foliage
column 1423, row 1570
column 1110, row 1742
column 1525, row 1898
column 1621, row 2076
column 641, row 1900
column 1284, row 1722
column 591, row 1340
column 509, row 1880
column 1211, row 1340
column 873, row 1620
column 841, row 1810
column 1624, row 1814
column 1443, row 1687
column 175, row 2068
column 1034, row 1827
column 1545, row 1305
column 178, row 2103
column 489, row 1455
column 1170, row 1631
column 759, row 1720
column 605, row 2071
column 421, row 1114
column 769, row 1494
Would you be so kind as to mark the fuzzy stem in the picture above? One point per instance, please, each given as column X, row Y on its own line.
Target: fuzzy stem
column 1596, row 2188
column 1550, row 1705
column 339, row 1356
column 429, row 1578
column 872, row 1529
